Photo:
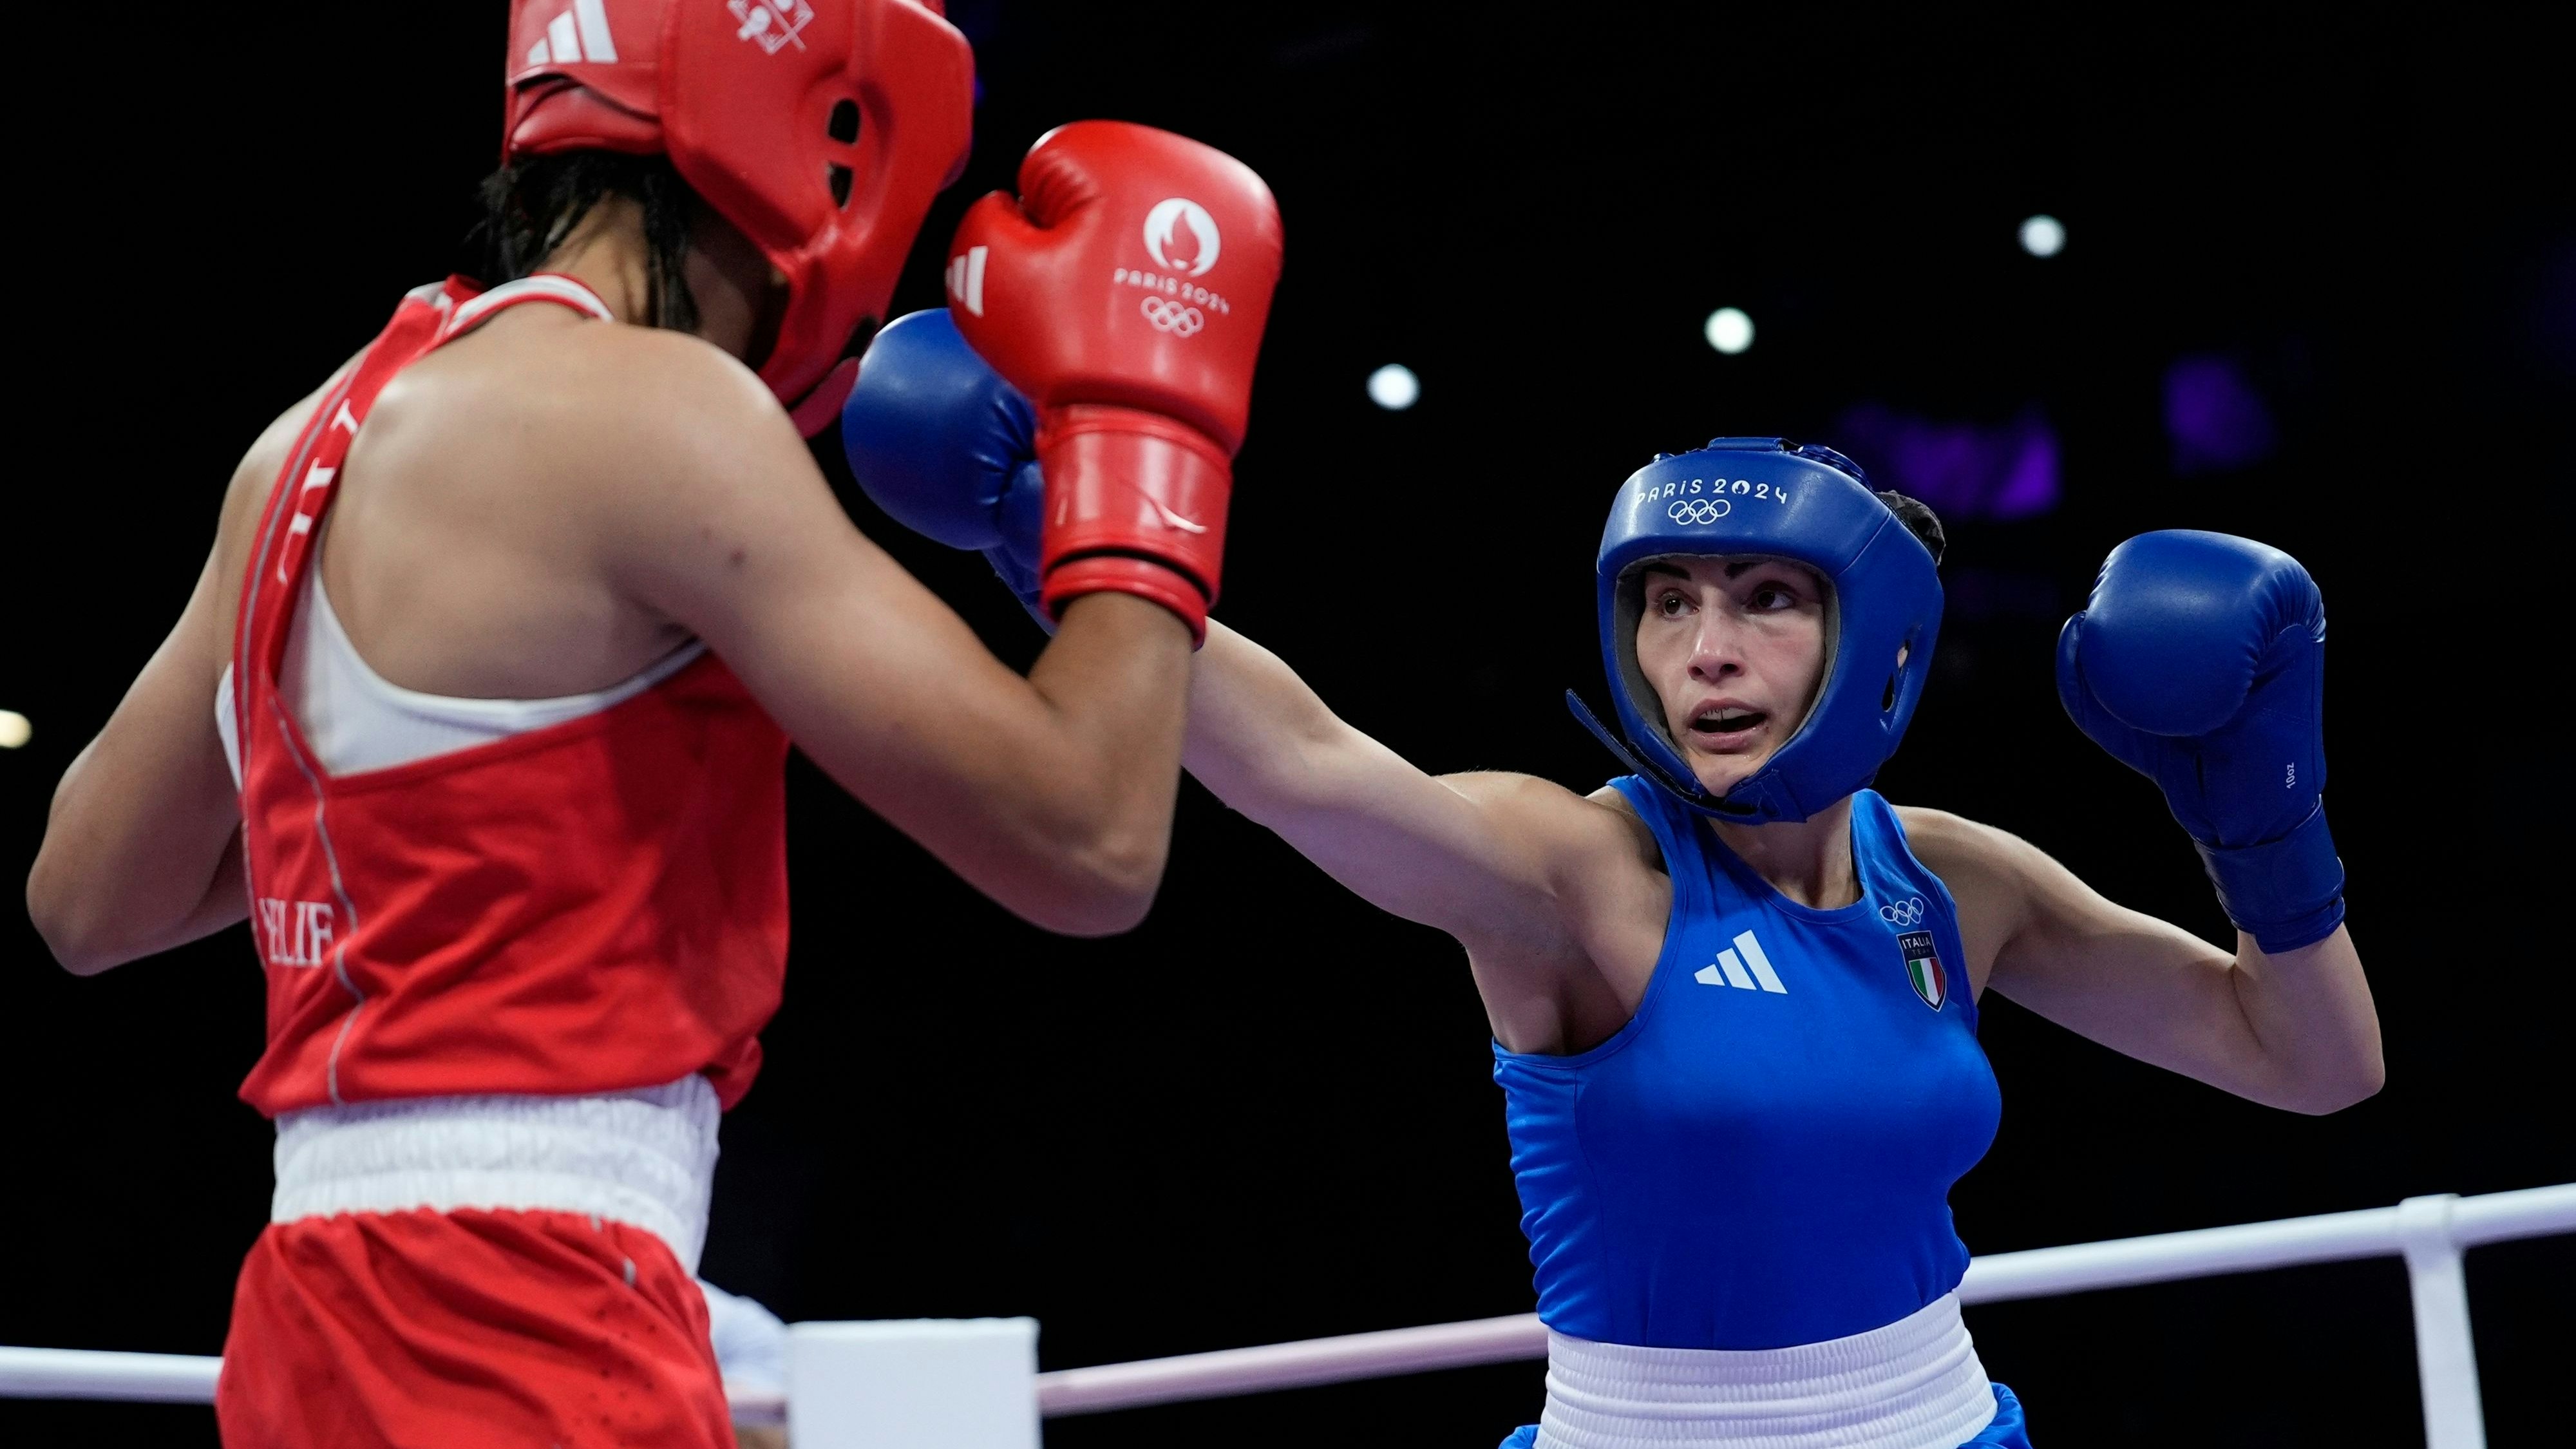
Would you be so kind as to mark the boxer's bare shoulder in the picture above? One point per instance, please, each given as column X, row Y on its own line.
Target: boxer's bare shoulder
column 503, row 486
column 543, row 405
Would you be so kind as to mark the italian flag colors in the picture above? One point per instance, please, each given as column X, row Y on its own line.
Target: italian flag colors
column 1923, row 968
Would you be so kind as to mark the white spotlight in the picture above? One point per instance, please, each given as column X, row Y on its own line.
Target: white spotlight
column 1394, row 387
column 1729, row 330
column 14, row 729
column 2043, row 235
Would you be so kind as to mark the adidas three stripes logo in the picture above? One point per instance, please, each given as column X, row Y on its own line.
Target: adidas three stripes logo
column 1743, row 968
column 580, row 33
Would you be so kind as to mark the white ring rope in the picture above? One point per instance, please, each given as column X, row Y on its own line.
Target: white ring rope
column 2428, row 1231
column 1383, row 1354
column 81, row 1373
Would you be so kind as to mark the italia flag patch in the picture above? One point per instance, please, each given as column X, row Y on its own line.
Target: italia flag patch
column 1923, row 968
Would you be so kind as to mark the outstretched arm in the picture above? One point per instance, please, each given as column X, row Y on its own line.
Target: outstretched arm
column 947, row 447
column 1422, row 847
column 2294, row 1029
column 1531, row 877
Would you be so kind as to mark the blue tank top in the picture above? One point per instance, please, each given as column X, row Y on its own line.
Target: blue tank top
column 1763, row 1155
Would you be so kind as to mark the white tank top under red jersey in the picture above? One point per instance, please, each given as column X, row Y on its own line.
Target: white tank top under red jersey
column 593, row 908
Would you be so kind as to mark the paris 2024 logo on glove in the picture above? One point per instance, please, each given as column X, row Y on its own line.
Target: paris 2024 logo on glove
column 1181, row 308
column 1181, row 236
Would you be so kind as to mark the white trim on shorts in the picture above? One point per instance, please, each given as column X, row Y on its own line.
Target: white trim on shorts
column 1914, row 1384
column 645, row 1158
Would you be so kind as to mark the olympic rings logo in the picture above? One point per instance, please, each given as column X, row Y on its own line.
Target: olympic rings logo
column 1173, row 317
column 1904, row 913
column 1699, row 510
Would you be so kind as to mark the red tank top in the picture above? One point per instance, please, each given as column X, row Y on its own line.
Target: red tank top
column 589, row 907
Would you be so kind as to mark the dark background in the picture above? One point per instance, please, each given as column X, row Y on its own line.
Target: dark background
column 1267, row 1113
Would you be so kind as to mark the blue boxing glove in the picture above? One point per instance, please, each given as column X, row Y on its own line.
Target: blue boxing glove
column 947, row 448
column 2200, row 663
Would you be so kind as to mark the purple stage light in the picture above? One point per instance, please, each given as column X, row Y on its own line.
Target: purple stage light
column 2214, row 417
column 1964, row 470
column 1974, row 593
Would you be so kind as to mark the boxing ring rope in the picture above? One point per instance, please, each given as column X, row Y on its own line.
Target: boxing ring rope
column 2430, row 1233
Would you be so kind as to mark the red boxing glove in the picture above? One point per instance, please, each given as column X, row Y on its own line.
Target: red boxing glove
column 1124, row 292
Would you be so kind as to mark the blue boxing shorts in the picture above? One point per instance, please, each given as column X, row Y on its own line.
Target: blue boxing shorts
column 2008, row 1431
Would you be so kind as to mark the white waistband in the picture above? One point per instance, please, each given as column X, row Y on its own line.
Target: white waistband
column 1914, row 1384
column 646, row 1158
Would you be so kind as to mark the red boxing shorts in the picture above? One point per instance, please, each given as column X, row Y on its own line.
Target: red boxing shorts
column 499, row 1330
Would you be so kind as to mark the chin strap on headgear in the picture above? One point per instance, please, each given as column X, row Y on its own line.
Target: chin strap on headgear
column 1771, row 498
column 820, row 128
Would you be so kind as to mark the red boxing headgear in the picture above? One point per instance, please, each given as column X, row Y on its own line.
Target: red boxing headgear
column 820, row 128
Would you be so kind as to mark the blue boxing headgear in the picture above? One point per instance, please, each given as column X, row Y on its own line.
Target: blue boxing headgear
column 1775, row 499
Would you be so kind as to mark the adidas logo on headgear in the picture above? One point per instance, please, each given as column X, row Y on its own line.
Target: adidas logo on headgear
column 580, row 33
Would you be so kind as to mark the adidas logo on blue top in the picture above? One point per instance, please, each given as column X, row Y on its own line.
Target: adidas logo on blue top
column 1742, row 968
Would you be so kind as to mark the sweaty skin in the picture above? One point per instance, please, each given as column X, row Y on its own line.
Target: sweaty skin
column 1560, row 899
column 549, row 504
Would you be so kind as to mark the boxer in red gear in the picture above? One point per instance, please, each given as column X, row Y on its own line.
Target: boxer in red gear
column 479, row 708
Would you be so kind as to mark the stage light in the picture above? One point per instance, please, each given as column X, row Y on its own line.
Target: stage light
column 14, row 729
column 1963, row 469
column 1729, row 330
column 2043, row 235
column 1394, row 387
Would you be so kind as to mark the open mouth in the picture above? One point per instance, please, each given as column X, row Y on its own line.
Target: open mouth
column 1720, row 728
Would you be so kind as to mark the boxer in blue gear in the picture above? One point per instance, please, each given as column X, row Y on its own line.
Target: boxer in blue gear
column 1734, row 993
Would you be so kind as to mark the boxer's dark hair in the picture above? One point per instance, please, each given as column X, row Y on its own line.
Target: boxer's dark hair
column 531, row 205
column 1918, row 519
